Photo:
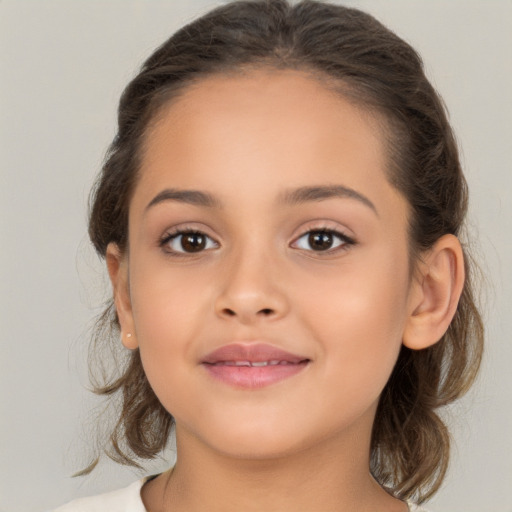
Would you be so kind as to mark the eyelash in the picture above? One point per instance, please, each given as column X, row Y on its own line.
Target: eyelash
column 175, row 234
column 344, row 241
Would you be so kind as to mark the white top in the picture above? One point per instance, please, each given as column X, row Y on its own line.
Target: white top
column 129, row 500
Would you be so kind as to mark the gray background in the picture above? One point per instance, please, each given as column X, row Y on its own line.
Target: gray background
column 63, row 66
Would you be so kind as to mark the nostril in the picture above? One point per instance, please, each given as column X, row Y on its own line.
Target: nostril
column 231, row 312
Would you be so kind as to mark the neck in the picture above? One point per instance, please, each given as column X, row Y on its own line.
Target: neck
column 334, row 476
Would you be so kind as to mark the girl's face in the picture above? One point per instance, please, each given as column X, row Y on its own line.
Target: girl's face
column 263, row 225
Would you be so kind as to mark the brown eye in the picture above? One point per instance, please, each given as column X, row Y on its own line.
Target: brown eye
column 320, row 240
column 188, row 242
column 323, row 240
column 193, row 242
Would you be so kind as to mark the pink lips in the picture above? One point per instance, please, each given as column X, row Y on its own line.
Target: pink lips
column 252, row 365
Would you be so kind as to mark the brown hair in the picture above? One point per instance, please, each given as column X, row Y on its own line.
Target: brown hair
column 374, row 67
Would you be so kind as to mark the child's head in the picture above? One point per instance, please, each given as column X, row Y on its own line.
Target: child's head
column 333, row 54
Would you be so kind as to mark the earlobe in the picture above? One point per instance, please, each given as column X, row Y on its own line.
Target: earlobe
column 435, row 294
column 118, row 272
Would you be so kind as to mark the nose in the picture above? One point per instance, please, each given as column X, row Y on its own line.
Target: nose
column 251, row 290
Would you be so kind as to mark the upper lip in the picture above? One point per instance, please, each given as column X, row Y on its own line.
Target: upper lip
column 252, row 352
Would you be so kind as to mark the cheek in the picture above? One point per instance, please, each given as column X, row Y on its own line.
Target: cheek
column 164, row 327
column 359, row 318
column 367, row 295
column 165, row 301
column 166, row 307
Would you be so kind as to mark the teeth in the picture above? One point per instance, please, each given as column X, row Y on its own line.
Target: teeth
column 274, row 362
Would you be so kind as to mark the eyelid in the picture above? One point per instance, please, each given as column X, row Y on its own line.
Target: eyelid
column 315, row 226
column 344, row 239
column 178, row 231
column 326, row 227
column 187, row 227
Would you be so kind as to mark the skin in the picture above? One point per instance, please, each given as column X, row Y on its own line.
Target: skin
column 302, row 443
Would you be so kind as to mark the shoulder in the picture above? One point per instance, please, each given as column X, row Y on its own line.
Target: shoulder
column 415, row 508
column 122, row 500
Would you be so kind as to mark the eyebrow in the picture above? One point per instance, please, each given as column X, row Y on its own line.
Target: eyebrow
column 194, row 197
column 319, row 193
column 291, row 197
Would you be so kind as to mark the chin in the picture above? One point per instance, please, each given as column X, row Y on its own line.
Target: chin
column 259, row 449
column 257, row 440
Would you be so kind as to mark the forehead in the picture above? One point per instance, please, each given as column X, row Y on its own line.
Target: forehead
column 270, row 92
column 262, row 97
column 277, row 127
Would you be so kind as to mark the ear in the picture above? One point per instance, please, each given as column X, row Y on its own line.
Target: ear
column 117, row 266
column 435, row 293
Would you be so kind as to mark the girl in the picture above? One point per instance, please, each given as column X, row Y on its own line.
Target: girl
column 279, row 214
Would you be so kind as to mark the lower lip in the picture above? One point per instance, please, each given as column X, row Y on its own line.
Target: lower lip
column 253, row 377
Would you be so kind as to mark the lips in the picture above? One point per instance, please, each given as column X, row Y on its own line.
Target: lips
column 252, row 365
